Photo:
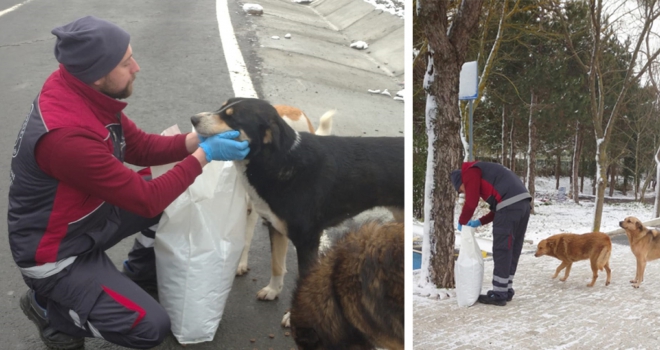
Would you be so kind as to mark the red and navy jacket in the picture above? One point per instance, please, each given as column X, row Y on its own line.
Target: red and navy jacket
column 68, row 178
column 492, row 182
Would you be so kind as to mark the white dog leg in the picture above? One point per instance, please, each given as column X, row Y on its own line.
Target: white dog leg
column 250, row 224
column 286, row 319
column 278, row 247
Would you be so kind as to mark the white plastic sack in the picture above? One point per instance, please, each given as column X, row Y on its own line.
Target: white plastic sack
column 469, row 269
column 198, row 246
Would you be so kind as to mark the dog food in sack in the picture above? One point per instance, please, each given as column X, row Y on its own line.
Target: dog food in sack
column 469, row 269
column 198, row 245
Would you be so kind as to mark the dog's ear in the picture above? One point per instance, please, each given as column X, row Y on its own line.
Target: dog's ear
column 551, row 244
column 272, row 135
column 639, row 225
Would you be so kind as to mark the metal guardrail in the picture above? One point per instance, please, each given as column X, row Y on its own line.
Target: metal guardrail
column 620, row 231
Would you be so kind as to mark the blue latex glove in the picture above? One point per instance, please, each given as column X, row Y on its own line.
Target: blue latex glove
column 460, row 227
column 474, row 223
column 223, row 147
column 201, row 138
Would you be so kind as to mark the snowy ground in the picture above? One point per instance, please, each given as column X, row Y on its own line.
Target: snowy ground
column 546, row 313
column 395, row 7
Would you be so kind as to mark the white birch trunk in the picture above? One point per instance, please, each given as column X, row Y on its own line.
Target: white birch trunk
column 429, row 185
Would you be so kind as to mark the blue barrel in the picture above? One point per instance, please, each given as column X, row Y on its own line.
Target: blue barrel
column 417, row 260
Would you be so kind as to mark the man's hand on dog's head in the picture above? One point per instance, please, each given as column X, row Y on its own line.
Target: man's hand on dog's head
column 223, row 147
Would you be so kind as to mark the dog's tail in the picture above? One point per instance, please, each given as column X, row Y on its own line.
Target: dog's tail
column 325, row 123
column 603, row 257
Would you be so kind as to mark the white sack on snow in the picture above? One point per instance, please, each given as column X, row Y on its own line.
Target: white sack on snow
column 469, row 269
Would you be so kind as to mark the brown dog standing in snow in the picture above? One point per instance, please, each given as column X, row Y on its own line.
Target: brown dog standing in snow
column 569, row 247
column 644, row 243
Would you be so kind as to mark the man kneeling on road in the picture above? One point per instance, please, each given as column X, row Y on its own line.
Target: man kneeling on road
column 509, row 203
column 71, row 197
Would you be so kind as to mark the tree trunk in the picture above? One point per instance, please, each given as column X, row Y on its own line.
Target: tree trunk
column 447, row 48
column 512, row 151
column 531, row 152
column 612, row 179
column 577, row 152
column 656, row 203
column 557, row 169
column 645, row 186
column 504, row 136
column 600, row 185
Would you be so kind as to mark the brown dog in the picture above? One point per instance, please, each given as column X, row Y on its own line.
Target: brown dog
column 569, row 247
column 644, row 243
column 353, row 298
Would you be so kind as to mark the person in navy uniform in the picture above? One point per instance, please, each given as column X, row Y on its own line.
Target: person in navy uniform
column 509, row 203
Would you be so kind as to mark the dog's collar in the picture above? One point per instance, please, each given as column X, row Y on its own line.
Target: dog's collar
column 296, row 142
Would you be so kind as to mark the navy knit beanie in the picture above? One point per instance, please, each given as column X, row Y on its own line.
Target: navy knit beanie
column 456, row 179
column 90, row 47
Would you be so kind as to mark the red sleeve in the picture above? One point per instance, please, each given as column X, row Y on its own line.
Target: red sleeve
column 81, row 159
column 144, row 149
column 488, row 218
column 472, row 182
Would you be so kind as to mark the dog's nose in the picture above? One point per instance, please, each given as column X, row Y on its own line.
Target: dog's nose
column 195, row 120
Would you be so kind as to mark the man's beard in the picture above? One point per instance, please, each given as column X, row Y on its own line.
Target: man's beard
column 120, row 95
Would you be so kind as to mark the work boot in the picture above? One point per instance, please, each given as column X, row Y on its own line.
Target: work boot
column 148, row 283
column 492, row 299
column 510, row 294
column 52, row 338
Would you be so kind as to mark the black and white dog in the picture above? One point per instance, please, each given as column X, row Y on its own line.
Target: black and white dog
column 302, row 183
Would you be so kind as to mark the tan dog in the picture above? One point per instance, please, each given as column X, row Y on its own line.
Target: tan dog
column 297, row 119
column 569, row 248
column 353, row 298
column 644, row 243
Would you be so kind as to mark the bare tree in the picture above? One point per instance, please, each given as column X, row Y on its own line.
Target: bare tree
column 531, row 151
column 504, row 136
column 577, row 152
column 593, row 68
column 447, row 48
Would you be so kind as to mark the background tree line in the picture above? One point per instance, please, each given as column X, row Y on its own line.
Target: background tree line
column 569, row 82
column 533, row 59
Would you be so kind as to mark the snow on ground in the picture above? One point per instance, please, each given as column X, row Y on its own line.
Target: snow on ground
column 547, row 313
column 394, row 7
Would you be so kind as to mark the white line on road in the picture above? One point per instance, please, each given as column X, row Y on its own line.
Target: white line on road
column 4, row 12
column 238, row 73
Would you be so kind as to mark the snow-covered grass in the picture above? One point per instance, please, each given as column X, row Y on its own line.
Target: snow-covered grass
column 547, row 313
column 394, row 7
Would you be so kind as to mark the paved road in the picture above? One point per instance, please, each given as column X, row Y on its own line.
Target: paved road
column 183, row 71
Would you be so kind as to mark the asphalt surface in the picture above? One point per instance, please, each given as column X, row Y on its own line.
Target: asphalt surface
column 183, row 71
